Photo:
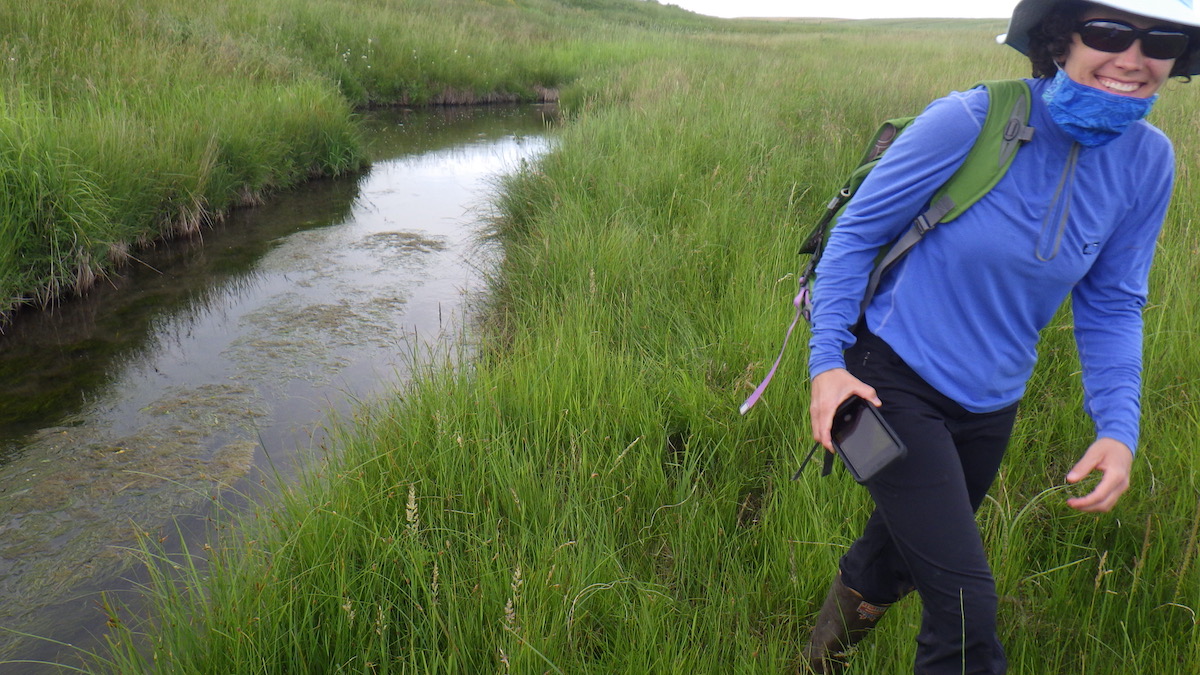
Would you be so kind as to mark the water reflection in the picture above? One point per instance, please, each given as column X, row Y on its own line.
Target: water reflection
column 169, row 384
column 60, row 359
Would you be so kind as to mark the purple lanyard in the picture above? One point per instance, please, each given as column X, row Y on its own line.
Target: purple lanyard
column 803, row 304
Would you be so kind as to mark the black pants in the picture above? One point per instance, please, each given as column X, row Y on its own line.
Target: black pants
column 923, row 532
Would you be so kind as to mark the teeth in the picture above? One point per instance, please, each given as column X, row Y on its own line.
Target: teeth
column 1118, row 86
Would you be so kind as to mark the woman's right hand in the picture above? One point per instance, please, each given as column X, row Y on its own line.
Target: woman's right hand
column 829, row 390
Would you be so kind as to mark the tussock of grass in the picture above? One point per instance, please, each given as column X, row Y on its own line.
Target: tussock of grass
column 584, row 498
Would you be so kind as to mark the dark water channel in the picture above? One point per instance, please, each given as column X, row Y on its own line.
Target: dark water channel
column 209, row 368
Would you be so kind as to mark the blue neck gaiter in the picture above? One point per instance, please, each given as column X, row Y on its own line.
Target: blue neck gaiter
column 1091, row 116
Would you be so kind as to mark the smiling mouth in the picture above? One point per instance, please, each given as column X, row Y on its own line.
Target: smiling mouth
column 1119, row 87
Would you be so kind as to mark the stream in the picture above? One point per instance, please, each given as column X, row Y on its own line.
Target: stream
column 208, row 370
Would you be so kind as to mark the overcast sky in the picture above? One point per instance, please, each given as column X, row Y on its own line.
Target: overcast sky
column 850, row 9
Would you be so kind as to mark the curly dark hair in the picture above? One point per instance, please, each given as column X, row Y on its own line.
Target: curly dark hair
column 1050, row 40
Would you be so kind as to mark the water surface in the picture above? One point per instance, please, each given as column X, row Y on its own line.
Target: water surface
column 209, row 367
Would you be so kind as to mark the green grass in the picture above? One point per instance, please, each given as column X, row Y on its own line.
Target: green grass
column 583, row 497
column 160, row 116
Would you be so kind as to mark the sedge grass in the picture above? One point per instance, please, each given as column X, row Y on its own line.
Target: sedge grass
column 169, row 113
column 583, row 498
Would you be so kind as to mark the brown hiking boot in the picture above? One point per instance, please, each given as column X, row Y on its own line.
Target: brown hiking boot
column 843, row 621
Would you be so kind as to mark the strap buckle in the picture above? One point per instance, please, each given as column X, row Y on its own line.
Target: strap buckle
column 923, row 225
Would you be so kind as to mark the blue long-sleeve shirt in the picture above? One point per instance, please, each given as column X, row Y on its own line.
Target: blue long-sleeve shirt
column 964, row 308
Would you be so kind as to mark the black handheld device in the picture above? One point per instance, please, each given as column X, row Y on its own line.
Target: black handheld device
column 865, row 442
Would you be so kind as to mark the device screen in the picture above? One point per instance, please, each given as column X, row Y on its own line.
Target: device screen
column 864, row 442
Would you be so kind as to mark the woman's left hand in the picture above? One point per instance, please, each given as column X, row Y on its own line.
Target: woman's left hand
column 1112, row 458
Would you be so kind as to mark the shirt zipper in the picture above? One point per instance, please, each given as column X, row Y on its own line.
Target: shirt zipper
column 1059, row 206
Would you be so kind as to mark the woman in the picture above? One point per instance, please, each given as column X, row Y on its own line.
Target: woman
column 949, row 339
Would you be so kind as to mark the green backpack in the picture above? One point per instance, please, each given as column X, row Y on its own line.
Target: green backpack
column 1004, row 130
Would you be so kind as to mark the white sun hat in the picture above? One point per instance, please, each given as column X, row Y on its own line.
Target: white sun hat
column 1029, row 12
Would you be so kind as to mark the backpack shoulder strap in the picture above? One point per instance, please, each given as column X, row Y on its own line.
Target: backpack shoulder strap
column 1005, row 128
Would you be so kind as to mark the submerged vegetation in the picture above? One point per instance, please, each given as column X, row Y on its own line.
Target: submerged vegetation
column 584, row 497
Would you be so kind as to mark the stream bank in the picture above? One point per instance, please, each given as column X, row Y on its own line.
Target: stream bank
column 209, row 370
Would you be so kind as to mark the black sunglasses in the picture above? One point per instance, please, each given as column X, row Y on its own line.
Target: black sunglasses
column 1110, row 35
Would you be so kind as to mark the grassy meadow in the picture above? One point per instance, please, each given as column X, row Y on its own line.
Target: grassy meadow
column 582, row 496
column 126, row 121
